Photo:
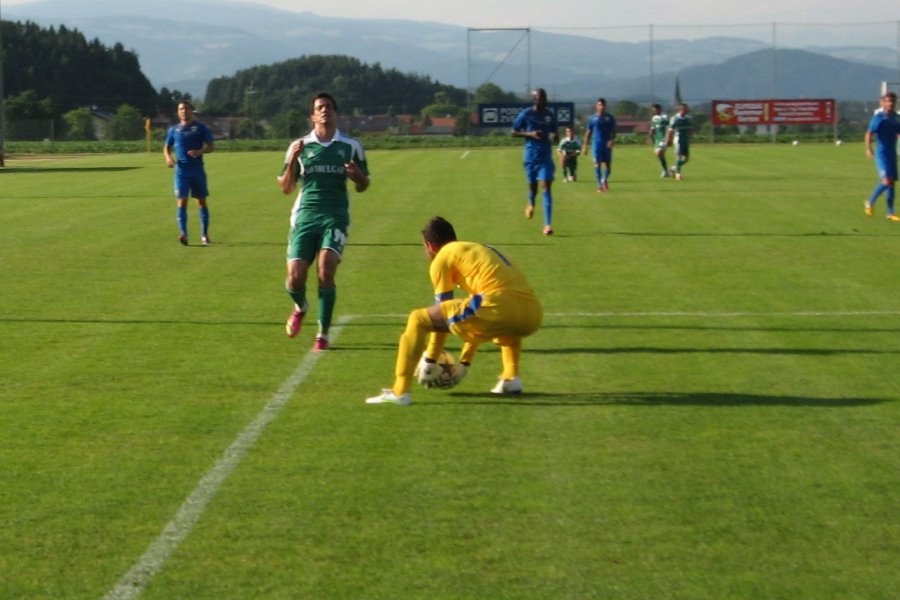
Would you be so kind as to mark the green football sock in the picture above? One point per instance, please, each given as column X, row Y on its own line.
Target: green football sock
column 298, row 296
column 327, row 299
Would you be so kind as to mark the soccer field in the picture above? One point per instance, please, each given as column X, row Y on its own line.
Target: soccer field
column 712, row 405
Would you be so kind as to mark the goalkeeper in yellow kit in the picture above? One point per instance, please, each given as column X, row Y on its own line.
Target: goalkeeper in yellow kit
column 500, row 307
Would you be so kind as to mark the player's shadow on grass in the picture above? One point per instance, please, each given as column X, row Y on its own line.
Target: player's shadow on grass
column 739, row 234
column 710, row 399
column 67, row 169
column 419, row 244
column 729, row 350
column 753, row 328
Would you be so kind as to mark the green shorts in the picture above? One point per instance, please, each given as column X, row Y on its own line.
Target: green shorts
column 306, row 238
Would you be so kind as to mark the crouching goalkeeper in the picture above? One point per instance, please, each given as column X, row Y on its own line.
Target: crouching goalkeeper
column 501, row 307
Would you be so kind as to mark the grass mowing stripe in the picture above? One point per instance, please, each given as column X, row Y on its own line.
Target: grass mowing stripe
column 727, row 315
column 149, row 564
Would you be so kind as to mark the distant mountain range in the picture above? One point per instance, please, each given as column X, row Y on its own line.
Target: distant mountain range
column 182, row 44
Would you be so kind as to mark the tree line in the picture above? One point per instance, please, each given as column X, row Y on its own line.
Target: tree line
column 56, row 74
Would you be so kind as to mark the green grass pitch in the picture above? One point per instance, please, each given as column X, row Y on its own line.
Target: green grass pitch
column 711, row 406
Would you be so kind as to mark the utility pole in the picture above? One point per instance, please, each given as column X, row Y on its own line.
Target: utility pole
column 2, row 96
column 251, row 99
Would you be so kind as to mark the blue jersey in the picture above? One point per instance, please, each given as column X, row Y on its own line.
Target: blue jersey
column 885, row 127
column 602, row 128
column 531, row 120
column 192, row 136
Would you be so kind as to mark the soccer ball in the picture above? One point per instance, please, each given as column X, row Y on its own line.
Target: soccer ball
column 838, row 142
column 796, row 142
column 443, row 374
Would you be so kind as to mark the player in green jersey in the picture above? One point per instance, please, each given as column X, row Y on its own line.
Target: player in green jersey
column 659, row 124
column 569, row 149
column 323, row 161
column 680, row 127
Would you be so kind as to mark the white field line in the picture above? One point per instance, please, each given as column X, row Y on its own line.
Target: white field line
column 132, row 584
column 464, row 155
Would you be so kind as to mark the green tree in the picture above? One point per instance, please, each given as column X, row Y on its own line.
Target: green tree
column 79, row 125
column 490, row 93
column 126, row 124
column 60, row 64
column 359, row 88
column 27, row 106
column 28, row 118
column 291, row 124
column 249, row 130
column 627, row 108
column 462, row 125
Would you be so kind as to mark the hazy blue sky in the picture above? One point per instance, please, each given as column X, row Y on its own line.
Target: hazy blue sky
column 580, row 13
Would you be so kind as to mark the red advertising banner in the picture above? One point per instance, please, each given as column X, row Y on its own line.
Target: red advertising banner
column 773, row 112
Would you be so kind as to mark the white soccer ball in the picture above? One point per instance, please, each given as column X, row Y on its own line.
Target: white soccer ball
column 838, row 142
column 443, row 374
column 796, row 142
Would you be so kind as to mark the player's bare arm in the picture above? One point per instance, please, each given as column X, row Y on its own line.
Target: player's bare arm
column 287, row 181
column 357, row 176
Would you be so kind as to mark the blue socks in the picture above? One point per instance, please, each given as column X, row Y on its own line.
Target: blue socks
column 548, row 208
column 182, row 220
column 204, row 220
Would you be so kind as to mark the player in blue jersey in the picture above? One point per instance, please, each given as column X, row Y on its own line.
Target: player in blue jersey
column 186, row 143
column 324, row 161
column 884, row 127
column 601, row 130
column 538, row 126
column 679, row 135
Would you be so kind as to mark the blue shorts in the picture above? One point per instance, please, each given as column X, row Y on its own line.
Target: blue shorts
column 887, row 167
column 603, row 154
column 539, row 171
column 190, row 179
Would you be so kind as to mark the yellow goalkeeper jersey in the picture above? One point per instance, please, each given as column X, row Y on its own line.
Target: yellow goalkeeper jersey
column 479, row 269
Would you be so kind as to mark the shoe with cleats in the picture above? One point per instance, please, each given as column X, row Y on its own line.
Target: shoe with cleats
column 508, row 386
column 388, row 396
column 321, row 344
column 292, row 327
column 529, row 211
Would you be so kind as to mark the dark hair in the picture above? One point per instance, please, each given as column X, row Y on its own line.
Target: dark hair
column 312, row 104
column 890, row 95
column 601, row 99
column 439, row 231
column 656, row 105
column 187, row 103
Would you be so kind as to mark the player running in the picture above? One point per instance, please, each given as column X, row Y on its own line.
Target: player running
column 884, row 127
column 679, row 134
column 185, row 145
column 601, row 127
column 569, row 149
column 324, row 160
column 538, row 126
column 659, row 125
